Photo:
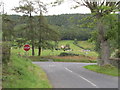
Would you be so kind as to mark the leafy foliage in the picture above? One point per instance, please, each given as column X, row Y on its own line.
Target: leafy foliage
column 69, row 26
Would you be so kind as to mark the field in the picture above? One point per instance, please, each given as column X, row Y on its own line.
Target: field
column 53, row 54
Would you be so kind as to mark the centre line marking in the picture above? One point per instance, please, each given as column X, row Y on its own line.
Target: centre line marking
column 82, row 77
column 88, row 81
column 68, row 69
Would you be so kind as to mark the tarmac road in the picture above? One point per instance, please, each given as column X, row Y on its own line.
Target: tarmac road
column 73, row 75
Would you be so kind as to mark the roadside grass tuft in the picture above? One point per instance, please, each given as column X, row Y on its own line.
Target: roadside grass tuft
column 107, row 69
column 21, row 73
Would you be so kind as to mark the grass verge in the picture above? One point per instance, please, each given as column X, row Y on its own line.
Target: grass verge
column 21, row 73
column 107, row 69
column 73, row 60
column 63, row 59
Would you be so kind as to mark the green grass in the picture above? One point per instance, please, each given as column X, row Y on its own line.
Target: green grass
column 75, row 48
column 74, row 60
column 86, row 45
column 107, row 69
column 21, row 73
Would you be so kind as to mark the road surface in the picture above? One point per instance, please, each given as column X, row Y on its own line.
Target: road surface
column 73, row 75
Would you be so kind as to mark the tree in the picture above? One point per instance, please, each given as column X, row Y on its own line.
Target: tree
column 43, row 31
column 7, row 27
column 20, row 35
column 99, row 9
column 36, row 28
column 27, row 7
column 7, row 33
column 112, row 33
column 41, row 24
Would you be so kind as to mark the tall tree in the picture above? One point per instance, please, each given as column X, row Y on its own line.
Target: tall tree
column 27, row 7
column 41, row 23
column 99, row 9
column 44, row 32
column 7, row 33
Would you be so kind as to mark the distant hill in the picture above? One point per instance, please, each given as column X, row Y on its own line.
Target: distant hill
column 66, row 19
column 68, row 25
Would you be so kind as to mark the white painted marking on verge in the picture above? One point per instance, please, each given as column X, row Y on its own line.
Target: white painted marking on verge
column 82, row 77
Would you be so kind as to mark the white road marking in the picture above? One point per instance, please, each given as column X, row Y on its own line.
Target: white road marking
column 51, row 65
column 68, row 69
column 88, row 81
column 82, row 77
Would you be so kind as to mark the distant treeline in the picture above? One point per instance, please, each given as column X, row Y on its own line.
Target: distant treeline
column 70, row 26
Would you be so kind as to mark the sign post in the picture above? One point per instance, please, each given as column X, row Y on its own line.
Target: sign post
column 26, row 48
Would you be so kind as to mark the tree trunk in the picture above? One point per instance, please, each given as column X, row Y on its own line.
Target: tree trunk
column 39, row 47
column 105, row 53
column 6, row 52
column 104, row 45
column 33, row 51
column 39, row 50
column 32, row 31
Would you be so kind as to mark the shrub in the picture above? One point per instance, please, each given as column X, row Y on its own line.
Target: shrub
column 68, row 54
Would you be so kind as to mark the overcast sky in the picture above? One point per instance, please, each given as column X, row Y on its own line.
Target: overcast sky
column 62, row 9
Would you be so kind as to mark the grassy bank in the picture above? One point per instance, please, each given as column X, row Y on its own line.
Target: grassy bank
column 108, row 69
column 21, row 73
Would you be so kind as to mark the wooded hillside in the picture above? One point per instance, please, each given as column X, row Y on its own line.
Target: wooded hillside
column 68, row 25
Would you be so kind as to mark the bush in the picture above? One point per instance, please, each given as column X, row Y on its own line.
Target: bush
column 68, row 54
column 6, row 52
